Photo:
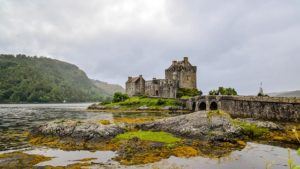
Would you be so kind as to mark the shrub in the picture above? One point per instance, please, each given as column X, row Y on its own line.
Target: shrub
column 118, row 97
column 160, row 102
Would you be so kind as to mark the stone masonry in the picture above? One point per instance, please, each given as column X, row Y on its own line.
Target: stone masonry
column 267, row 108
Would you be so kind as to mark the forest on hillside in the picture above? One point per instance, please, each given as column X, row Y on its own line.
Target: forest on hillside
column 40, row 79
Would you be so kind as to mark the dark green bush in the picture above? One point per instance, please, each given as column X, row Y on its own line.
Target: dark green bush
column 119, row 97
column 223, row 91
column 160, row 102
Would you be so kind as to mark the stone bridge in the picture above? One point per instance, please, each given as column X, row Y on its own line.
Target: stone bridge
column 268, row 108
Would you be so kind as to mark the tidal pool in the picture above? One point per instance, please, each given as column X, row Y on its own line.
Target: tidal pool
column 15, row 119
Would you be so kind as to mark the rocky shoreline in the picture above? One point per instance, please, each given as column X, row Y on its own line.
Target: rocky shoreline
column 212, row 134
column 198, row 125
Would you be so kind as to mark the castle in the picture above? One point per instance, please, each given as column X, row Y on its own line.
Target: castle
column 181, row 74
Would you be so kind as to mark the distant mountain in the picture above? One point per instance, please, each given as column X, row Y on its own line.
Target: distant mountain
column 295, row 93
column 40, row 79
column 109, row 88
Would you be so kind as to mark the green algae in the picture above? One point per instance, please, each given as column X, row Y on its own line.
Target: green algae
column 19, row 159
column 160, row 136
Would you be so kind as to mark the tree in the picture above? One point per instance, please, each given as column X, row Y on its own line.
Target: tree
column 118, row 97
column 188, row 92
column 213, row 92
column 223, row 91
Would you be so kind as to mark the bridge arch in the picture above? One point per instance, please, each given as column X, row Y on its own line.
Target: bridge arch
column 202, row 106
column 213, row 106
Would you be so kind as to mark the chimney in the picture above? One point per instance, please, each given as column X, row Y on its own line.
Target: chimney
column 174, row 62
column 129, row 78
column 141, row 76
column 185, row 59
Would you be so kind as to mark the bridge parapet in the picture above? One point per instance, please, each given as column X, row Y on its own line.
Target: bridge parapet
column 269, row 108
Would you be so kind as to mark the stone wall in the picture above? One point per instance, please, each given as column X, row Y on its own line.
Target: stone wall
column 135, row 88
column 268, row 108
column 161, row 88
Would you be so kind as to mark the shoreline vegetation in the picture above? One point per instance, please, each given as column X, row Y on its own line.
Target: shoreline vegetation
column 139, row 104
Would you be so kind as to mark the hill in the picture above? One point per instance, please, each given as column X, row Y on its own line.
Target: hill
column 109, row 88
column 295, row 93
column 40, row 79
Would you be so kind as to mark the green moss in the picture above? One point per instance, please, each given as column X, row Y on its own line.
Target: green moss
column 251, row 130
column 20, row 159
column 104, row 122
column 150, row 136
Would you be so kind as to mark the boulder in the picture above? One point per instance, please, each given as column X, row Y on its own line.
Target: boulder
column 96, row 107
column 143, row 108
column 82, row 130
column 197, row 125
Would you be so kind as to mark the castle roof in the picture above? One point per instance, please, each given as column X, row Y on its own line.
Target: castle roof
column 179, row 65
column 134, row 79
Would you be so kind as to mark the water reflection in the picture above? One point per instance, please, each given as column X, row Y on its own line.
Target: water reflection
column 64, row 158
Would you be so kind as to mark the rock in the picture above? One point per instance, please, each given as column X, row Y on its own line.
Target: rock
column 116, row 107
column 96, row 107
column 82, row 130
column 265, row 124
column 196, row 125
column 143, row 108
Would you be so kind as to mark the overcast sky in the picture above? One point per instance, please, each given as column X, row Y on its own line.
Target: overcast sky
column 236, row 43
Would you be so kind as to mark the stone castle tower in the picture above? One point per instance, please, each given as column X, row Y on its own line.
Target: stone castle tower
column 184, row 73
column 181, row 74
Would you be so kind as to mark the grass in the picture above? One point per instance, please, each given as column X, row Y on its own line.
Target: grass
column 162, row 137
column 151, row 103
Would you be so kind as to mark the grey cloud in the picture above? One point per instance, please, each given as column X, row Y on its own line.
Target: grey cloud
column 238, row 43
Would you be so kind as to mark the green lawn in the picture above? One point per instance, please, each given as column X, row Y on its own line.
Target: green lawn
column 153, row 103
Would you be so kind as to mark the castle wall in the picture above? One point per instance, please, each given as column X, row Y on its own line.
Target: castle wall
column 160, row 88
column 187, row 79
column 130, row 89
column 135, row 88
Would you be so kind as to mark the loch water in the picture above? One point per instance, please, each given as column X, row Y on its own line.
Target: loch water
column 15, row 119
